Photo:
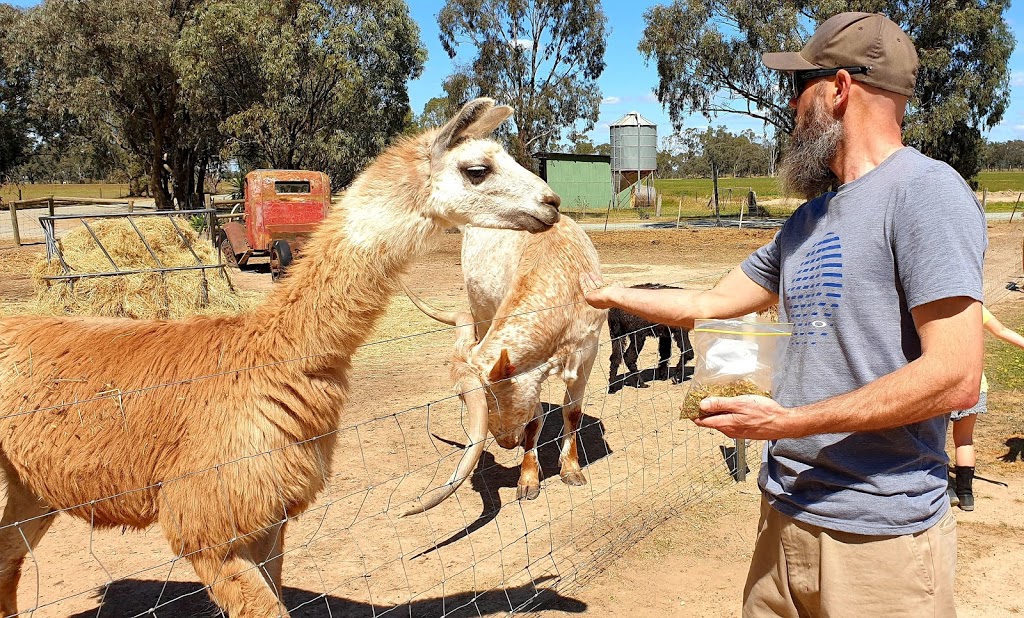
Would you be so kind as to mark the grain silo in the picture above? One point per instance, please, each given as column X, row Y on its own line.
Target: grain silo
column 634, row 141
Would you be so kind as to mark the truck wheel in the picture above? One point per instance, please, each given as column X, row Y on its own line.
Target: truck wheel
column 280, row 258
column 227, row 253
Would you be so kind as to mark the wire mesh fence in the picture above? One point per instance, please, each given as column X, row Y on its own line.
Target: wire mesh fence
column 350, row 553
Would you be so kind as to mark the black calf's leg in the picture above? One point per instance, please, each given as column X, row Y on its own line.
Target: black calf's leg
column 633, row 353
column 664, row 353
column 614, row 382
column 683, row 341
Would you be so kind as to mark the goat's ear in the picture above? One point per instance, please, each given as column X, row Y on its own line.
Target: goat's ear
column 477, row 119
column 503, row 369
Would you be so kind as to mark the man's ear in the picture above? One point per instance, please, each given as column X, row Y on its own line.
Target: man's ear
column 841, row 97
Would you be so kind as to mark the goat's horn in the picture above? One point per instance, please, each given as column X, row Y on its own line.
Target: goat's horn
column 448, row 317
column 476, row 411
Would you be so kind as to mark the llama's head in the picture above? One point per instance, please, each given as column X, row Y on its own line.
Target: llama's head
column 473, row 180
column 511, row 399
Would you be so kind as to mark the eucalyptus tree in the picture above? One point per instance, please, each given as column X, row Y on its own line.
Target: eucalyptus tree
column 708, row 58
column 542, row 57
column 318, row 84
column 15, row 124
column 106, row 63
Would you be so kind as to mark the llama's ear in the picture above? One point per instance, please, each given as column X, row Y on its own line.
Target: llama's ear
column 476, row 119
column 503, row 369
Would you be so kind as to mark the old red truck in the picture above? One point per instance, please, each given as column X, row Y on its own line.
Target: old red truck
column 281, row 208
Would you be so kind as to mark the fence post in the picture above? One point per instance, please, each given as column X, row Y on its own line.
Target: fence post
column 212, row 216
column 741, row 459
column 13, row 208
column 131, row 205
column 49, row 205
column 679, row 215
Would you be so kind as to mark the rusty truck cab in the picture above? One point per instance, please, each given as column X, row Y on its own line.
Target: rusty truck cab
column 281, row 208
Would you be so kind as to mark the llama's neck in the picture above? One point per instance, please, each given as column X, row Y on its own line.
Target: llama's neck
column 333, row 296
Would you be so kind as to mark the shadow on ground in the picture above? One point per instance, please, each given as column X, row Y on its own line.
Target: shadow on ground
column 491, row 476
column 132, row 597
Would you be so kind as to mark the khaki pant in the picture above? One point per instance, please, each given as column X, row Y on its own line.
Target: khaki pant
column 802, row 570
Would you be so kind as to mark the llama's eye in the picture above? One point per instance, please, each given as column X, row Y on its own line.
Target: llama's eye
column 476, row 173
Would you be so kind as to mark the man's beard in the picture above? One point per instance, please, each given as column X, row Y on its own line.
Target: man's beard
column 815, row 141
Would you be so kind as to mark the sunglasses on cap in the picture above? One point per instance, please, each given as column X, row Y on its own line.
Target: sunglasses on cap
column 800, row 79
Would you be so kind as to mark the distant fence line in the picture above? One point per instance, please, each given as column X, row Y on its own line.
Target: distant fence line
column 53, row 202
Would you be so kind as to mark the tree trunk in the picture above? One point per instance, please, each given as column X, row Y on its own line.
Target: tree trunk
column 157, row 183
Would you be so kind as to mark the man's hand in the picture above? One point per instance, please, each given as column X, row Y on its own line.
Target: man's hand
column 595, row 290
column 749, row 416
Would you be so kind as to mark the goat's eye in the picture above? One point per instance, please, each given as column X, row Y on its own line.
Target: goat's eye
column 476, row 173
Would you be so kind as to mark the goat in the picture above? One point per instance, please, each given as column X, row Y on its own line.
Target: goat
column 622, row 325
column 528, row 322
column 221, row 429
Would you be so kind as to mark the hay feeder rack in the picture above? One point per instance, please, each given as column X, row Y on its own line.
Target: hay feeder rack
column 53, row 250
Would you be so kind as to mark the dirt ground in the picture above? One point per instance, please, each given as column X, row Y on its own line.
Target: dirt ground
column 661, row 528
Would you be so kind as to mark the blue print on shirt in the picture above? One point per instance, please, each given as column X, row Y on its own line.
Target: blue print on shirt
column 815, row 290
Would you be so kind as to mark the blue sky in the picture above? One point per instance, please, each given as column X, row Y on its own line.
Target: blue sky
column 627, row 83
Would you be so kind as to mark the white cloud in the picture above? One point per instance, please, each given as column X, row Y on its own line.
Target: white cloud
column 523, row 43
column 610, row 101
column 650, row 97
column 1018, row 127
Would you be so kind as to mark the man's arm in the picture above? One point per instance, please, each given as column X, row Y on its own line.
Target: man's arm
column 735, row 295
column 947, row 376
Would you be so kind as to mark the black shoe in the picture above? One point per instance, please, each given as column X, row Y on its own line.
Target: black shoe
column 964, row 490
column 966, row 502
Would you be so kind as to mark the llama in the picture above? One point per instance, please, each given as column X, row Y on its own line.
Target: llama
column 626, row 328
column 531, row 322
column 220, row 429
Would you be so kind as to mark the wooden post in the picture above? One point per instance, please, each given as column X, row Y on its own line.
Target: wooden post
column 131, row 205
column 49, row 205
column 13, row 208
column 741, row 459
column 984, row 199
column 714, row 181
column 679, row 215
column 657, row 209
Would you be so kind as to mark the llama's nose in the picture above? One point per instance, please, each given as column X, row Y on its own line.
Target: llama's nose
column 552, row 200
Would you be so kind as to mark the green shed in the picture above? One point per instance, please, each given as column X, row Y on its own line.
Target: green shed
column 583, row 181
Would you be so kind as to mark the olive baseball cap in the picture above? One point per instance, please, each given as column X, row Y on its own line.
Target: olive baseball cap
column 870, row 40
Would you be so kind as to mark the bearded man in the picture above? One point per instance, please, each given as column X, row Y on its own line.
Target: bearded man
column 882, row 279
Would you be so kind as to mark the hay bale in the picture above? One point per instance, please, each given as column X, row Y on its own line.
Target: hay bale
column 170, row 295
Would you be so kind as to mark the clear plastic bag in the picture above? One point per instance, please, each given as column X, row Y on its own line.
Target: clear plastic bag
column 734, row 357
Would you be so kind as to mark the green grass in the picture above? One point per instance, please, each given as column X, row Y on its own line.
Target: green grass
column 1001, row 181
column 1004, row 363
column 701, row 188
column 9, row 192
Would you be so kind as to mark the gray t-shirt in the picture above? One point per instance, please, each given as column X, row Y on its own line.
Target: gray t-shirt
column 848, row 267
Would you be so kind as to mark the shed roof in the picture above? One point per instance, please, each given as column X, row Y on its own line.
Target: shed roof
column 569, row 156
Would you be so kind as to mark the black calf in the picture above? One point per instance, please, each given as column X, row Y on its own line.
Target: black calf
column 622, row 325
